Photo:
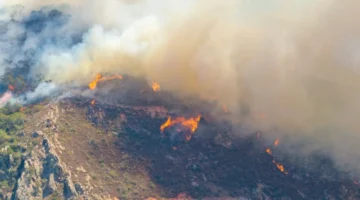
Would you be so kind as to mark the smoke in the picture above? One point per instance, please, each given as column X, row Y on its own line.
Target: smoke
column 294, row 63
column 5, row 98
column 43, row 90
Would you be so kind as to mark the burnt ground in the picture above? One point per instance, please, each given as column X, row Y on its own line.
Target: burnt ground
column 211, row 164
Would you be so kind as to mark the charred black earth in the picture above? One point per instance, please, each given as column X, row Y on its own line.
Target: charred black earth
column 213, row 164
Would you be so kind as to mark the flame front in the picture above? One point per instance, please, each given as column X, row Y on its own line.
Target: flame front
column 155, row 86
column 269, row 151
column 278, row 165
column 276, row 143
column 93, row 102
column 281, row 168
column 99, row 78
column 191, row 124
column 92, row 84
column 11, row 87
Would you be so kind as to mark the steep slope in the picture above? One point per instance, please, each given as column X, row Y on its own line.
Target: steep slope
column 79, row 150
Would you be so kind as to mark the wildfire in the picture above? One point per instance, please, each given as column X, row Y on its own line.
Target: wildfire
column 93, row 102
column 276, row 143
column 99, row 78
column 268, row 150
column 155, row 86
column 11, row 87
column 191, row 123
column 278, row 165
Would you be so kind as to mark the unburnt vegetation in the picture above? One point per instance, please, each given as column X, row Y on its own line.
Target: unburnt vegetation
column 11, row 122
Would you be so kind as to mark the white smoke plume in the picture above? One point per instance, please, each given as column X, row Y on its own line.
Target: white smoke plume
column 294, row 62
column 5, row 98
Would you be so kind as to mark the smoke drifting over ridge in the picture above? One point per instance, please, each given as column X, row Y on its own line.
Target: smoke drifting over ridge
column 294, row 62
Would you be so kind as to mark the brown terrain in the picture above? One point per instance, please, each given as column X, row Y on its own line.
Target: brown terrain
column 82, row 148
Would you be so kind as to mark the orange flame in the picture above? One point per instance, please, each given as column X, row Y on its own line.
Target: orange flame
column 11, row 87
column 191, row 124
column 276, row 143
column 99, row 78
column 155, row 86
column 93, row 102
column 269, row 151
column 280, row 167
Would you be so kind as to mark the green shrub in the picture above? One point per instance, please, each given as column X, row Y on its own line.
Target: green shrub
column 11, row 121
column 4, row 184
column 4, row 137
column 9, row 109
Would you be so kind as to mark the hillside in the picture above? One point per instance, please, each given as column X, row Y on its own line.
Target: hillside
column 78, row 148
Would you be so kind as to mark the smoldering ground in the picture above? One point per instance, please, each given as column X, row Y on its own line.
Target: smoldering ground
column 293, row 63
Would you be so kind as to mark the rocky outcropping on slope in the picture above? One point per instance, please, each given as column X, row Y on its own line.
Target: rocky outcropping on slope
column 42, row 175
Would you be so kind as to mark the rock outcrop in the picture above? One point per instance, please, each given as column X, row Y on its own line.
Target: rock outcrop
column 42, row 175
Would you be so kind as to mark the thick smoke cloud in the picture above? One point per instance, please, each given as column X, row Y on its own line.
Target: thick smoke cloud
column 287, row 68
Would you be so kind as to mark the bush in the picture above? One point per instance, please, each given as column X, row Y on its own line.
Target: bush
column 4, row 184
column 10, row 119
column 11, row 123
column 4, row 137
column 9, row 109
